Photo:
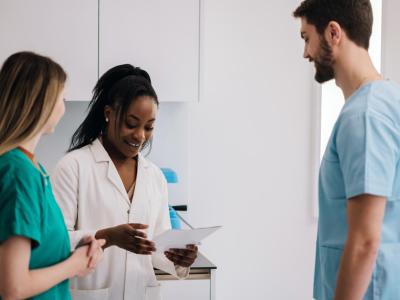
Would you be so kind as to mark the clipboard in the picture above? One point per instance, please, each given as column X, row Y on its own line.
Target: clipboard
column 180, row 238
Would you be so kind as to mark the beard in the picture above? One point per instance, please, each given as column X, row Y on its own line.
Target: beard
column 324, row 63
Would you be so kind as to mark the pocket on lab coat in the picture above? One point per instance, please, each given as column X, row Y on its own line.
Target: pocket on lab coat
column 99, row 294
column 330, row 261
column 153, row 293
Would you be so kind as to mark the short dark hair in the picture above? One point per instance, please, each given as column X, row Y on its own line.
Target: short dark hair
column 118, row 88
column 354, row 16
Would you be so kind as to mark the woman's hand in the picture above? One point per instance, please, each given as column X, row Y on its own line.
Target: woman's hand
column 95, row 251
column 22, row 282
column 129, row 237
column 182, row 257
column 87, row 255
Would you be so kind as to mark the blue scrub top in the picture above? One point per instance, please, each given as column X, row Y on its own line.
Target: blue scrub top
column 362, row 157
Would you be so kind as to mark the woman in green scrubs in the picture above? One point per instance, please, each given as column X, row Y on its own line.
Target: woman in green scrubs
column 35, row 255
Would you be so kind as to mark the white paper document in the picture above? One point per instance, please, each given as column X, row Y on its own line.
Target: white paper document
column 180, row 238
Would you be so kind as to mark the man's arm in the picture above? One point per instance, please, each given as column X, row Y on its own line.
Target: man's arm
column 365, row 216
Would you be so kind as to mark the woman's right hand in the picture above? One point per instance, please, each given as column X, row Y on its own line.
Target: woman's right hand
column 129, row 237
column 86, row 257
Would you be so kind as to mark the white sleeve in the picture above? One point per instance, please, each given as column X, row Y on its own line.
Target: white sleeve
column 163, row 223
column 65, row 182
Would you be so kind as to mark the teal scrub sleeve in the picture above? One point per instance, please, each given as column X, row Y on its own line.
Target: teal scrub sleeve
column 368, row 149
column 20, row 209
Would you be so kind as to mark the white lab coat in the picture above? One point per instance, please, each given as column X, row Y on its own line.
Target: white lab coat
column 92, row 196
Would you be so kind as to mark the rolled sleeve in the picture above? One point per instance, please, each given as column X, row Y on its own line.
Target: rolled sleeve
column 20, row 206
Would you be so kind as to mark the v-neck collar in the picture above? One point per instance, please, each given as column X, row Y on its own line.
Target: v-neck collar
column 101, row 155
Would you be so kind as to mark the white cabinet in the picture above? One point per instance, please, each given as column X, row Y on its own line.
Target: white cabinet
column 67, row 31
column 159, row 36
column 185, row 289
column 88, row 37
column 200, row 285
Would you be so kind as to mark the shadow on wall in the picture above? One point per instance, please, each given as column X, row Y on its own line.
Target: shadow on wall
column 54, row 146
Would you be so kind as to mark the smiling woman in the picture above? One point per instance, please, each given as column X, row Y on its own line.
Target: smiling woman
column 105, row 186
column 136, row 130
column 115, row 91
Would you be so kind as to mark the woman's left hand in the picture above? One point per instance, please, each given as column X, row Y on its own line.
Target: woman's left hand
column 182, row 257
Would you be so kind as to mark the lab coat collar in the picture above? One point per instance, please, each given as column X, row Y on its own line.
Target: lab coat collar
column 100, row 154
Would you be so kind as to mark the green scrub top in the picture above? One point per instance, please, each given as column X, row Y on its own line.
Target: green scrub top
column 28, row 209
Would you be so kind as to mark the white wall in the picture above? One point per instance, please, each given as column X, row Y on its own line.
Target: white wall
column 54, row 146
column 251, row 145
column 391, row 39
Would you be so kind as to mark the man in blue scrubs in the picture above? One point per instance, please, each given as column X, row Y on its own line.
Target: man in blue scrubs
column 358, row 246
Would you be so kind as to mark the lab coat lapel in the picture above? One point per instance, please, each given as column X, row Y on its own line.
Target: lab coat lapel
column 101, row 156
column 115, row 179
column 140, row 201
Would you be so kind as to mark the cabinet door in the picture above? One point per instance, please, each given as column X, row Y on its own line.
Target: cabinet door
column 67, row 31
column 159, row 36
column 185, row 289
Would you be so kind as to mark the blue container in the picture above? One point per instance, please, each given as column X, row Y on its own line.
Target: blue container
column 170, row 175
column 175, row 221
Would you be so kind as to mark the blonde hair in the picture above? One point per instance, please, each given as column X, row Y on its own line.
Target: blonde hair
column 29, row 88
